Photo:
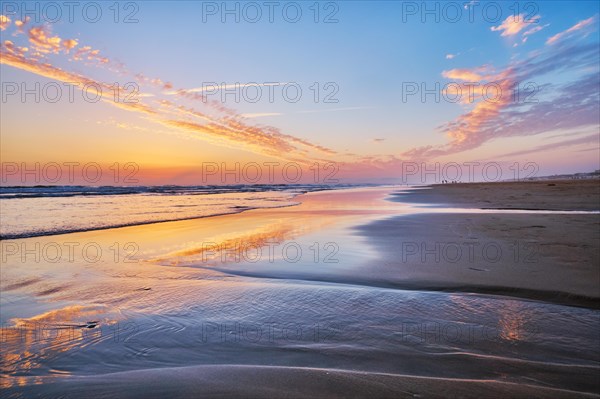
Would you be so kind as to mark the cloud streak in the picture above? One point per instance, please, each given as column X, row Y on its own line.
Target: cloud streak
column 578, row 26
column 589, row 139
column 226, row 127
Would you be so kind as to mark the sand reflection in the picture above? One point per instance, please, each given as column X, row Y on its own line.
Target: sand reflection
column 28, row 342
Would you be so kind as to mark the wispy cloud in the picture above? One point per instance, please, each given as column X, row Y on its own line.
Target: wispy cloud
column 467, row 75
column 521, row 25
column 261, row 114
column 315, row 111
column 219, row 125
column 212, row 86
column 578, row 26
column 590, row 139
column 514, row 24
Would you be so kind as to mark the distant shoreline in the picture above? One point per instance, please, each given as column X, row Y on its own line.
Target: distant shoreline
column 567, row 195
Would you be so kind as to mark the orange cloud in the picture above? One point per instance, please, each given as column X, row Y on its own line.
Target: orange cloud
column 106, row 91
column 4, row 22
column 467, row 75
column 42, row 42
column 12, row 49
column 20, row 24
column 154, row 81
column 514, row 24
column 69, row 44
column 465, row 130
column 87, row 53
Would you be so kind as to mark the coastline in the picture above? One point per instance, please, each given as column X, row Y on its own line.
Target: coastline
column 371, row 304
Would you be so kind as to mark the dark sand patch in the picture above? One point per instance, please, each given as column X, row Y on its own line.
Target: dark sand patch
column 501, row 254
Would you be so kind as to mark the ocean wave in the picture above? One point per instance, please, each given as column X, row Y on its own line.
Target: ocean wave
column 52, row 210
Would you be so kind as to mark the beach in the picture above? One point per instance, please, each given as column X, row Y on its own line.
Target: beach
column 458, row 290
column 322, row 199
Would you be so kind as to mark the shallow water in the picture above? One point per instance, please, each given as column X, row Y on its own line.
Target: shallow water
column 48, row 210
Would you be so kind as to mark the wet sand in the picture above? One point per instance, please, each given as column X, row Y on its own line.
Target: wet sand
column 285, row 382
column 551, row 257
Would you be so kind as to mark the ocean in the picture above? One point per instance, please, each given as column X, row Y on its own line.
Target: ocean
column 49, row 210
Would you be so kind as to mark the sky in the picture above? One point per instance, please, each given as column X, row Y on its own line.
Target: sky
column 308, row 92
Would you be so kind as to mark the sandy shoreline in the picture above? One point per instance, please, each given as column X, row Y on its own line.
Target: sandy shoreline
column 569, row 195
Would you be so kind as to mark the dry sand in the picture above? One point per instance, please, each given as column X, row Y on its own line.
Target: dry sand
column 583, row 195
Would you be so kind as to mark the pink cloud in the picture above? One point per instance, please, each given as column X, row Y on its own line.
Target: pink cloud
column 40, row 39
column 4, row 22
column 69, row 44
column 512, row 25
column 578, row 26
column 466, row 74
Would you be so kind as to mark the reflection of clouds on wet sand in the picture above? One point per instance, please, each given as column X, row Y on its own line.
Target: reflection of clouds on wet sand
column 233, row 246
column 27, row 343
column 514, row 318
column 506, row 320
